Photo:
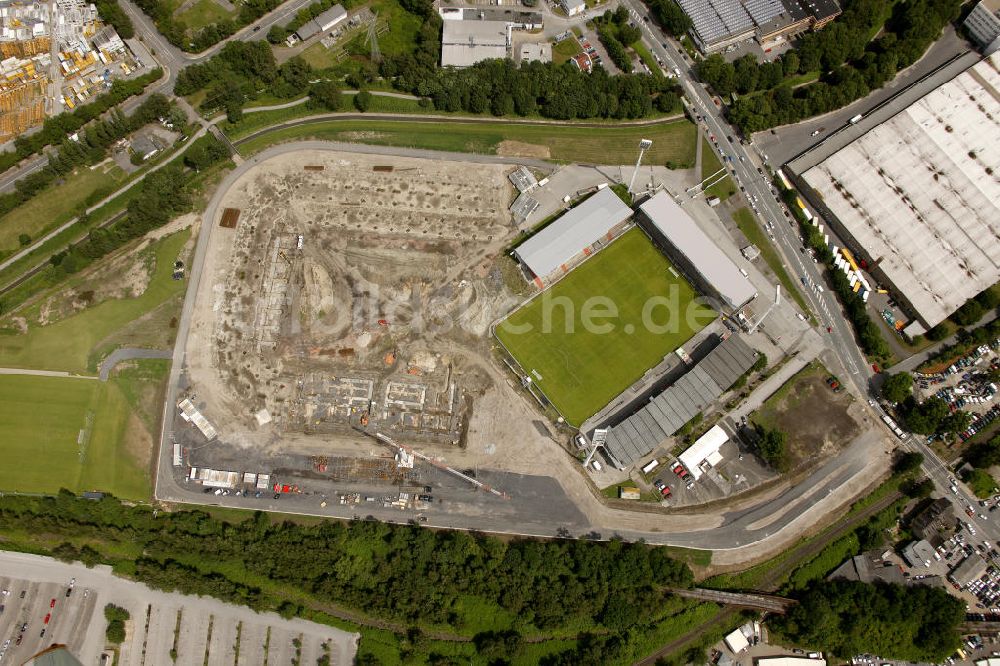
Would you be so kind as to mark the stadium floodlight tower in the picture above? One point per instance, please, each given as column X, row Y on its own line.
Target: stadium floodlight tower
column 644, row 145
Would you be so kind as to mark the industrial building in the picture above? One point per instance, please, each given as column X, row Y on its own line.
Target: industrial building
column 918, row 553
column 325, row 21
column 573, row 7
column 935, row 523
column 718, row 24
column 704, row 453
column 868, row 569
column 667, row 412
column 736, row 641
column 693, row 251
column 983, row 24
column 917, row 197
column 554, row 250
column 470, row 35
column 971, row 569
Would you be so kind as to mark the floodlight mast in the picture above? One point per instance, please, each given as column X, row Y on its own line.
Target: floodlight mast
column 644, row 145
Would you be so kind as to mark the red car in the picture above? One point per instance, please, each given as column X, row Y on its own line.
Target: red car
column 52, row 604
column 666, row 491
column 680, row 471
column 47, row 618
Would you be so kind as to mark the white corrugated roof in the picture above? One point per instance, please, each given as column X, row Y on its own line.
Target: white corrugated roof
column 920, row 193
column 707, row 446
column 701, row 252
column 737, row 642
column 578, row 229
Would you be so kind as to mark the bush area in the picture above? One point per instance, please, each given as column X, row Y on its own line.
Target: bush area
column 473, row 585
column 161, row 11
column 853, row 64
column 116, row 617
column 90, row 148
column 916, row 623
column 669, row 15
column 498, row 87
column 55, row 129
column 616, row 34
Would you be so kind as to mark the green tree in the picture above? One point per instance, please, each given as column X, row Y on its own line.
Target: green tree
column 897, row 387
column 363, row 101
column 907, row 462
column 772, row 445
column 277, row 34
column 24, row 239
column 326, row 95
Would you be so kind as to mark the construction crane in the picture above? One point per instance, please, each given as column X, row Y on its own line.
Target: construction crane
column 385, row 439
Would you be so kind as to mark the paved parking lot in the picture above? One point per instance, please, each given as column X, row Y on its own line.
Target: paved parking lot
column 202, row 630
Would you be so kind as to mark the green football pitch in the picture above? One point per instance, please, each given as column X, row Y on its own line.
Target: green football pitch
column 649, row 312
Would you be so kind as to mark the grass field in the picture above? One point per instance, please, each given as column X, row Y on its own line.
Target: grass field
column 710, row 164
column 55, row 205
column 582, row 370
column 565, row 50
column 202, row 13
column 41, row 419
column 67, row 344
column 744, row 220
column 648, row 58
column 672, row 141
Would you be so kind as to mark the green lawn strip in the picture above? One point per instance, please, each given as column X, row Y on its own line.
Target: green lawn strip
column 66, row 344
column 647, row 57
column 800, row 79
column 711, row 164
column 56, row 205
column 829, row 559
column 611, row 492
column 580, row 371
column 564, row 50
column 753, row 232
column 385, row 104
column 672, row 141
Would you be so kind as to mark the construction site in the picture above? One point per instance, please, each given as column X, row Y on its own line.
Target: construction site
column 346, row 296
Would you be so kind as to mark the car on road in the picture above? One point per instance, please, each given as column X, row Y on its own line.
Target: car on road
column 425, row 498
column 815, row 133
column 52, row 604
column 659, row 485
column 48, row 617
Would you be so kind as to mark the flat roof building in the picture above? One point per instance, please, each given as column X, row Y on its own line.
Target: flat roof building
column 983, row 24
column 541, row 52
column 552, row 250
column 704, row 452
column 322, row 23
column 935, row 522
column 694, row 252
column 918, row 196
column 718, row 24
column 464, row 43
column 971, row 568
column 736, row 641
column 918, row 553
column 636, row 435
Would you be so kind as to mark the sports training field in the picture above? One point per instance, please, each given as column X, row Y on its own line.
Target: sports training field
column 40, row 423
column 582, row 370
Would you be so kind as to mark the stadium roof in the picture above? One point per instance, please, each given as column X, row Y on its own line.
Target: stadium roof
column 667, row 412
column 577, row 229
column 717, row 20
column 919, row 193
column 700, row 251
column 703, row 449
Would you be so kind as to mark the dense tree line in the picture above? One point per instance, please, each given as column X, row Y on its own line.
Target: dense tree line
column 57, row 128
column 499, row 87
column 933, row 417
column 238, row 73
column 90, row 147
column 851, row 63
column 396, row 572
column 771, row 445
column 898, row 387
column 670, row 15
column 176, row 31
column 163, row 195
column 113, row 14
column 915, row 623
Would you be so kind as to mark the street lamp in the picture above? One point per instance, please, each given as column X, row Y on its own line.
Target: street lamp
column 644, row 145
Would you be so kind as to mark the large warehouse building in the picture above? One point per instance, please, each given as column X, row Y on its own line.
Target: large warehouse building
column 554, row 250
column 694, row 252
column 470, row 35
column 717, row 24
column 666, row 413
column 919, row 195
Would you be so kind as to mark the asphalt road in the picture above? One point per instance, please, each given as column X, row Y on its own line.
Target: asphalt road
column 128, row 354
